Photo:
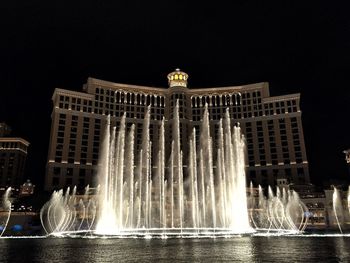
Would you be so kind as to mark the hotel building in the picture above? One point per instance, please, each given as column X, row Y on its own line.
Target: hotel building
column 272, row 125
column 13, row 155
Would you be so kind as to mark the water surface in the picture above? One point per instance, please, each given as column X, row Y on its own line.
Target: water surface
column 242, row 249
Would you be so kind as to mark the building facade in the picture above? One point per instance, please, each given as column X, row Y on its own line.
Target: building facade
column 13, row 155
column 5, row 130
column 272, row 125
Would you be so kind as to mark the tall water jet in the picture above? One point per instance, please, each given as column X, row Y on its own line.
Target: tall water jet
column 161, row 176
column 177, row 165
column 236, row 180
column 221, row 175
column 207, row 166
column 193, row 180
column 130, row 173
column 5, row 209
column 119, row 172
column 107, row 222
column 337, row 209
column 145, row 170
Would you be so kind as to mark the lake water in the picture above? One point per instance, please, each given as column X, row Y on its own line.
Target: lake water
column 239, row 249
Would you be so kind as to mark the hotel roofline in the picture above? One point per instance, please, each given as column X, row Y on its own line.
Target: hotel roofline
column 14, row 139
column 109, row 84
column 88, row 92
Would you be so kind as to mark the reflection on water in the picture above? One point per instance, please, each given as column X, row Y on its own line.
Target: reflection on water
column 244, row 249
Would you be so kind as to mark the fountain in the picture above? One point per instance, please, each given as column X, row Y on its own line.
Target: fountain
column 65, row 212
column 144, row 195
column 338, row 209
column 281, row 212
column 168, row 202
column 5, row 211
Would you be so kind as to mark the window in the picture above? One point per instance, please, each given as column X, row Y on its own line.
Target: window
column 55, row 181
column 69, row 171
column 252, row 174
column 82, row 173
column 69, row 181
column 56, row 170
column 81, row 182
column 300, row 171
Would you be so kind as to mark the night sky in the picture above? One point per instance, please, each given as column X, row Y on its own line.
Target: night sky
column 295, row 46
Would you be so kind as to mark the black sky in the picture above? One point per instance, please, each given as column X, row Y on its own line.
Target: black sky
column 297, row 46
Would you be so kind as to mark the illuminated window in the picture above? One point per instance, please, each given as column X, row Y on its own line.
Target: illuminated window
column 176, row 77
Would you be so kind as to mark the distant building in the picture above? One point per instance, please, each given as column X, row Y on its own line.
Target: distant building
column 13, row 155
column 282, row 183
column 317, row 203
column 26, row 189
column 272, row 125
column 4, row 129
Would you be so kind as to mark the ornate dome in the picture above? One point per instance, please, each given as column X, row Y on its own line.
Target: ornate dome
column 177, row 78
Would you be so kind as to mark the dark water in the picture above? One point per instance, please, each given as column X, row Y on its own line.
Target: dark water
column 244, row 249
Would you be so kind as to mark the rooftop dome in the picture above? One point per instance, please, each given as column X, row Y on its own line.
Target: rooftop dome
column 177, row 78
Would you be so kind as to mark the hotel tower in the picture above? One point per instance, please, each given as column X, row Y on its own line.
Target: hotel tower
column 272, row 125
